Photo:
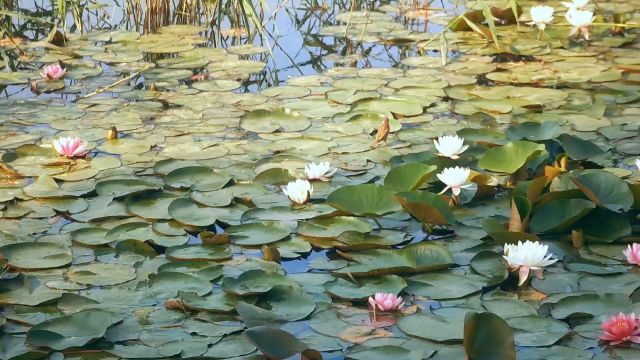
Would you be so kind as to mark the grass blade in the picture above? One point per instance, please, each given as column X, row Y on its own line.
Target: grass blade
column 491, row 22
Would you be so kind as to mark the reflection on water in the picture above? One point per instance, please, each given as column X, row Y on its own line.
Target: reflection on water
column 290, row 30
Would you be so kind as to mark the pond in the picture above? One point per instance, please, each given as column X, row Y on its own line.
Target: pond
column 341, row 180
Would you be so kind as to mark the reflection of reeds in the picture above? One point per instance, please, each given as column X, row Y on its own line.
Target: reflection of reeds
column 149, row 15
column 158, row 14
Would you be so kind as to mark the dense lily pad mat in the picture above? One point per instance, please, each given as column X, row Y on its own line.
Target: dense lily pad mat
column 175, row 240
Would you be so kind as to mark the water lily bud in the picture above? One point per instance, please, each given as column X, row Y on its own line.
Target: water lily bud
column 112, row 134
column 271, row 253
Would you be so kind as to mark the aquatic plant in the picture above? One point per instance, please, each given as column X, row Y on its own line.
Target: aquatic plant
column 580, row 21
column 455, row 178
column 621, row 328
column 321, row 171
column 541, row 16
column 450, row 146
column 53, row 72
column 298, row 191
column 632, row 253
column 527, row 256
column 70, row 146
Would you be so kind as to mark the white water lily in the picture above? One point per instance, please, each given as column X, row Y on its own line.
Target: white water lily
column 450, row 146
column 541, row 16
column 320, row 171
column 527, row 256
column 298, row 191
column 638, row 164
column 580, row 21
column 456, row 179
column 576, row 4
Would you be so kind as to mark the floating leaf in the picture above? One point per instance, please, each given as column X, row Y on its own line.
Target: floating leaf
column 510, row 157
column 73, row 330
column 259, row 233
column 363, row 200
column 487, row 336
column 275, row 343
column 605, row 189
column 408, row 177
column 416, row 258
column 429, row 208
column 36, row 255
column 560, row 215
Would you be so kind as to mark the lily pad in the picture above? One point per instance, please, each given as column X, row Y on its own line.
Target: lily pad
column 510, row 157
column 73, row 330
column 266, row 121
column 36, row 255
column 258, row 233
column 364, row 200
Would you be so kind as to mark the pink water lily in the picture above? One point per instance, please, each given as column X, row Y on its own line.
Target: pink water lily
column 70, row 146
column 633, row 254
column 53, row 72
column 621, row 328
column 385, row 302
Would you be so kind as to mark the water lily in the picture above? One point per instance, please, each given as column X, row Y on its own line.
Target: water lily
column 638, row 163
column 541, row 16
column 527, row 256
column 580, row 21
column 386, row 302
column 70, row 146
column 621, row 328
column 53, row 72
column 576, row 4
column 320, row 171
column 450, row 146
column 456, row 179
column 298, row 191
column 633, row 254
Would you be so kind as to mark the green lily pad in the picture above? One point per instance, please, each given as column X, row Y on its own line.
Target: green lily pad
column 429, row 208
column 73, row 330
column 332, row 227
column 150, row 205
column 605, row 189
column 408, row 177
column 258, row 233
column 537, row 331
column 416, row 258
column 255, row 282
column 167, row 284
column 533, row 131
column 364, row 200
column 510, row 157
column 579, row 149
column 199, row 178
column 123, row 187
column 491, row 265
column 487, row 336
column 36, row 255
column 560, row 215
column 432, row 327
column 439, row 286
column 266, row 121
column 590, row 305
column 199, row 253
column 189, row 212
column 274, row 343
column 99, row 274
